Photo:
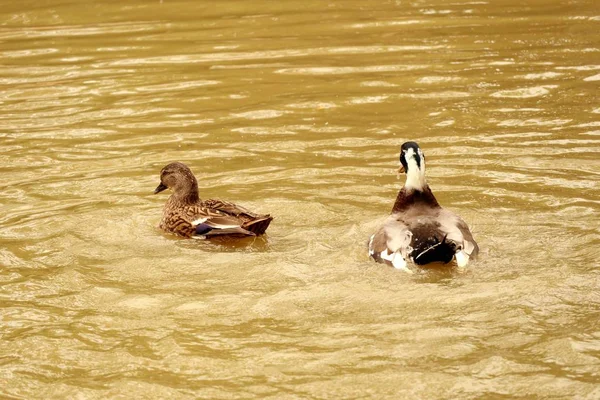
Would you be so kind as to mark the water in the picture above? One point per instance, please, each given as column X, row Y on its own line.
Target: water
column 297, row 109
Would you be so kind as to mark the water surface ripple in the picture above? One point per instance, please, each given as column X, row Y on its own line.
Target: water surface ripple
column 298, row 110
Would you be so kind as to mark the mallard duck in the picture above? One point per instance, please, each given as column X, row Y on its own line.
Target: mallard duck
column 419, row 229
column 187, row 215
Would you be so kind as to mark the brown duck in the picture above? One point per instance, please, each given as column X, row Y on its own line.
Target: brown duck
column 419, row 229
column 187, row 215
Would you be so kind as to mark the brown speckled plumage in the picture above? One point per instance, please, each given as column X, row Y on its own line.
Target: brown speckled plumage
column 187, row 215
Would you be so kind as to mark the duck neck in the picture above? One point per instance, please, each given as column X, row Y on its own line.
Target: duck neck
column 186, row 195
column 415, row 176
column 409, row 197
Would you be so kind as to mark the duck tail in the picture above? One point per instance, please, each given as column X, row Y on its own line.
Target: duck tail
column 442, row 251
column 258, row 226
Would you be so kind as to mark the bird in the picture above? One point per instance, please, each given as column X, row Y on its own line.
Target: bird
column 418, row 228
column 185, row 214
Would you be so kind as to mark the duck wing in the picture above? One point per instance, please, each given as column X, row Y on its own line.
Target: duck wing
column 197, row 221
column 209, row 223
column 390, row 244
column 229, row 208
column 458, row 231
column 436, row 237
column 256, row 223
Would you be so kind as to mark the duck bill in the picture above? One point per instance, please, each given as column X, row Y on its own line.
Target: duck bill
column 159, row 188
column 400, row 171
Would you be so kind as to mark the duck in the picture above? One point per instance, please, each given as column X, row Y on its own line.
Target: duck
column 186, row 214
column 419, row 229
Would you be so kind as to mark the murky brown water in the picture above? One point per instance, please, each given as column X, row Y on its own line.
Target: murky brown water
column 297, row 109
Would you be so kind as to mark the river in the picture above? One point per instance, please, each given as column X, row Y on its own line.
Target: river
column 297, row 109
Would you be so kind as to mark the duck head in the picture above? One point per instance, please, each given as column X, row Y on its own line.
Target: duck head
column 179, row 178
column 412, row 162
